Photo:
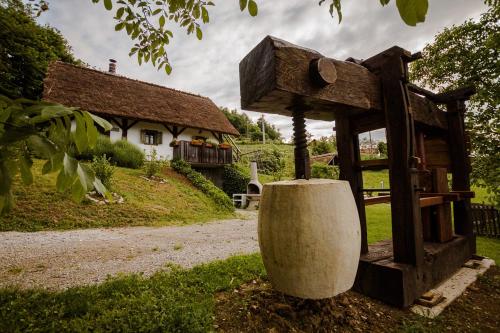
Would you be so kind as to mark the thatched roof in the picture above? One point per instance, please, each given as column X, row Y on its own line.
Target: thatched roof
column 109, row 94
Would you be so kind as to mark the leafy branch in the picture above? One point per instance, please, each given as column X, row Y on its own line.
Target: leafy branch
column 42, row 129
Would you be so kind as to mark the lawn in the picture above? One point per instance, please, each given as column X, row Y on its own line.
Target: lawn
column 40, row 207
column 176, row 300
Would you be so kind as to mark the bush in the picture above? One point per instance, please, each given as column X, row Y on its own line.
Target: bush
column 127, row 155
column 320, row 170
column 121, row 153
column 103, row 170
column 234, row 181
column 205, row 185
column 320, row 147
column 153, row 165
column 271, row 162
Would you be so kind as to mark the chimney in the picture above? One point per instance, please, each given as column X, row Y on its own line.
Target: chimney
column 112, row 66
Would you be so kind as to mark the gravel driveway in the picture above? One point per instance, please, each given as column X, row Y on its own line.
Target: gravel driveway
column 62, row 259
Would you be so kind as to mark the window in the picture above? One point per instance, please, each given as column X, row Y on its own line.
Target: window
column 150, row 137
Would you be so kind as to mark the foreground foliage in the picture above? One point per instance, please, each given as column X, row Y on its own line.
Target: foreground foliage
column 172, row 301
column 44, row 129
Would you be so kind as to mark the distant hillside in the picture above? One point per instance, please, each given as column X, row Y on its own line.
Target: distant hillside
column 41, row 207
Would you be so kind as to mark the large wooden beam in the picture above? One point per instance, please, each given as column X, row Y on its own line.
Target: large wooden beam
column 349, row 157
column 401, row 143
column 276, row 76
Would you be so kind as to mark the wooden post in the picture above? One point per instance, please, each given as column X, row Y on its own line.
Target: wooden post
column 124, row 128
column 406, row 220
column 349, row 157
column 460, row 169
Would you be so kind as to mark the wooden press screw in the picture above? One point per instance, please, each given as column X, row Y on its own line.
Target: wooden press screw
column 302, row 164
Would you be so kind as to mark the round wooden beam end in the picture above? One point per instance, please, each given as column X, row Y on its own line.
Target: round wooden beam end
column 323, row 71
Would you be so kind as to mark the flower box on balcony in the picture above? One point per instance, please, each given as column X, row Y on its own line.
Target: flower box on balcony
column 196, row 142
column 224, row 145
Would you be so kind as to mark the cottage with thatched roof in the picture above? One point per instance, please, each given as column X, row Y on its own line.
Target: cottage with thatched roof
column 172, row 122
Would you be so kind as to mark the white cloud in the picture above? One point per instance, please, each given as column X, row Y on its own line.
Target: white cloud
column 210, row 67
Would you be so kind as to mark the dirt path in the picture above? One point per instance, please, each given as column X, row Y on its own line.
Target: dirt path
column 62, row 259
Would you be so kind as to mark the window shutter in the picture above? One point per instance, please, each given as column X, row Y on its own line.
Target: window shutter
column 159, row 138
column 143, row 136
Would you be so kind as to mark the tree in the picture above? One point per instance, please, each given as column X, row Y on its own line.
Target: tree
column 272, row 133
column 248, row 128
column 382, row 148
column 323, row 146
column 240, row 121
column 26, row 50
column 33, row 128
column 147, row 22
column 468, row 54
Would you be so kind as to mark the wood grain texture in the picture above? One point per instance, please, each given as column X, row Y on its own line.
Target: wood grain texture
column 276, row 76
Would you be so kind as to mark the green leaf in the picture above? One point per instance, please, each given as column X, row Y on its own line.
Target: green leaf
column 69, row 165
column 108, row 4
column 99, row 187
column 252, row 8
column 384, row 2
column 78, row 191
column 119, row 12
column 204, row 15
column 25, row 164
column 53, row 164
column 42, row 146
column 92, row 133
column 243, row 5
column 119, row 26
column 162, row 21
column 168, row 69
column 412, row 11
column 102, row 122
column 81, row 139
column 199, row 33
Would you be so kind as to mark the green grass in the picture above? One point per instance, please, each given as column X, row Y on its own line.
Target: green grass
column 40, row 207
column 171, row 301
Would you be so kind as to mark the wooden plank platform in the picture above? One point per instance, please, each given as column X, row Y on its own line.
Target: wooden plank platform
column 401, row 284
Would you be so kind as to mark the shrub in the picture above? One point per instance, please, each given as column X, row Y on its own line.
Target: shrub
column 271, row 161
column 153, row 165
column 103, row 170
column 320, row 147
column 127, row 155
column 234, row 181
column 321, row 170
column 205, row 185
column 121, row 153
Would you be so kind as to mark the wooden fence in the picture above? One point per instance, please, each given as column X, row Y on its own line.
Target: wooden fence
column 202, row 155
column 486, row 220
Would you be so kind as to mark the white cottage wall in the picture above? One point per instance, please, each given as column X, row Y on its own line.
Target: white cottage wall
column 189, row 133
column 164, row 150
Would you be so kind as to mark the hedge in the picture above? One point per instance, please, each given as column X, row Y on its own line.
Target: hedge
column 234, row 181
column 203, row 184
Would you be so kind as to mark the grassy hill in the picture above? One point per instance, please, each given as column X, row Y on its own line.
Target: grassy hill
column 41, row 207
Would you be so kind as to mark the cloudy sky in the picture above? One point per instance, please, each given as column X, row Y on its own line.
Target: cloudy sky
column 210, row 67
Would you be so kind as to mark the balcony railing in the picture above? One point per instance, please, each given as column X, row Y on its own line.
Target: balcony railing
column 203, row 155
